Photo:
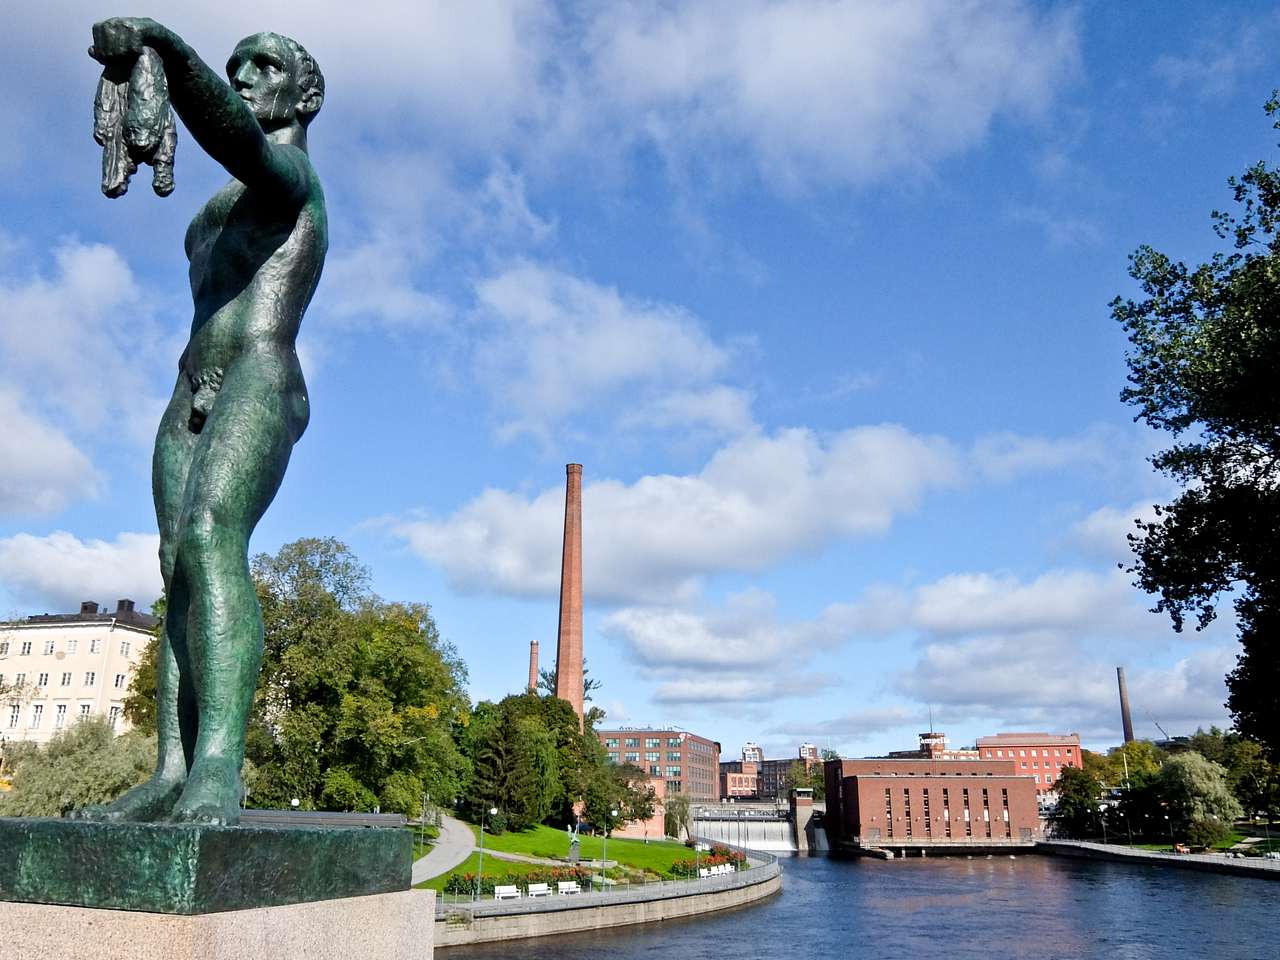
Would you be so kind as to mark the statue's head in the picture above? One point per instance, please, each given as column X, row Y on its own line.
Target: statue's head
column 279, row 80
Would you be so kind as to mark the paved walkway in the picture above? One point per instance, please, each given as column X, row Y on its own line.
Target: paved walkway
column 455, row 843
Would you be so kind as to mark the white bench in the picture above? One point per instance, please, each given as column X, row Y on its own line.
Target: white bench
column 539, row 890
column 565, row 887
column 511, row 892
column 703, row 872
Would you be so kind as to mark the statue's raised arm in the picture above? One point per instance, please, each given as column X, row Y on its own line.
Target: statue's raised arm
column 244, row 121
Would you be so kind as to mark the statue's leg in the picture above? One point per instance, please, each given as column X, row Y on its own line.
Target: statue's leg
column 175, row 700
column 239, row 462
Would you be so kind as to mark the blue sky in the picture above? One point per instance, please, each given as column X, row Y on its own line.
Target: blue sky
column 815, row 290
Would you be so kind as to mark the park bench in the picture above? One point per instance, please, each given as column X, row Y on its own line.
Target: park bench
column 511, row 892
column 539, row 890
column 567, row 886
column 704, row 872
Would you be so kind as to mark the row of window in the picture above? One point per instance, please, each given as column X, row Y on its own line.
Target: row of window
column 59, row 715
column 1023, row 753
column 650, row 743
column 95, row 646
column 946, row 812
column 42, row 679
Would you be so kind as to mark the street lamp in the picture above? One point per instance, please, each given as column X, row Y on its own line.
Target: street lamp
column 604, row 857
column 475, row 892
column 1169, row 824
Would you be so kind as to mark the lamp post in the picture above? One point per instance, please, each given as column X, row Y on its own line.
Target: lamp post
column 1169, row 824
column 604, row 857
column 475, row 893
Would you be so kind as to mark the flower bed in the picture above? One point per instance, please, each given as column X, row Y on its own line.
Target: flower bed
column 468, row 884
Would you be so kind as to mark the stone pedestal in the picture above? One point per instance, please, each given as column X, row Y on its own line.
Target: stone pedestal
column 388, row 926
column 189, row 869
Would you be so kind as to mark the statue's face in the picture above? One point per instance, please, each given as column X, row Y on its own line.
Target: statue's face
column 263, row 71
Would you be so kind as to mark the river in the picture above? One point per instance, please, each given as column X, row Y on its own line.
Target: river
column 1030, row 906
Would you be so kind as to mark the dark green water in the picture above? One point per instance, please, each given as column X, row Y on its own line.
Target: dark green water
column 1032, row 906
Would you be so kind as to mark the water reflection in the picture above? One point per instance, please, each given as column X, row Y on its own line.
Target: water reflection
column 1029, row 906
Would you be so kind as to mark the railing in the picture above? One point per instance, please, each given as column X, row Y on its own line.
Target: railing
column 461, row 907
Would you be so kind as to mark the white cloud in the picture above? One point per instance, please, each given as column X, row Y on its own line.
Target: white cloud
column 41, row 471
column 860, row 724
column 1103, row 533
column 744, row 633
column 57, row 571
column 820, row 91
column 82, row 341
column 759, row 500
column 741, row 688
column 1041, row 653
column 1059, row 599
column 550, row 345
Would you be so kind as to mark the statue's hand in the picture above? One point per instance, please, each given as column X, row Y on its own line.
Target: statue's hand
column 121, row 37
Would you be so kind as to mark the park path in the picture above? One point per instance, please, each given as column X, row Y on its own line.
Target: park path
column 455, row 843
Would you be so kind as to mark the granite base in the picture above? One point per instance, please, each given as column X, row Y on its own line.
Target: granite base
column 190, row 869
column 388, row 926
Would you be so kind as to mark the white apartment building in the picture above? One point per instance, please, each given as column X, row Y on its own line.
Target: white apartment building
column 57, row 668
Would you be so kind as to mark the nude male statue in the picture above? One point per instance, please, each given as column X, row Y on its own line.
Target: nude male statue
column 256, row 250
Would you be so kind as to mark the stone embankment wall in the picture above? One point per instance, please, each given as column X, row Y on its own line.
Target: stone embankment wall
column 487, row 922
column 1214, row 863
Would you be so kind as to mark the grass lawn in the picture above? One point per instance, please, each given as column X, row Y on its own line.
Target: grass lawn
column 548, row 842
column 1234, row 838
column 421, row 849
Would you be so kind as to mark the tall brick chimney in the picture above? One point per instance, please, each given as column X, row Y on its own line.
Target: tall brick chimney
column 569, row 638
column 533, row 666
column 1125, row 719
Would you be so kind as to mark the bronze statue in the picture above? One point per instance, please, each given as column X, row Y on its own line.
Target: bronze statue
column 256, row 250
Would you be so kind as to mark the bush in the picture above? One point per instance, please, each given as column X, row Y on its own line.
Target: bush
column 1206, row 833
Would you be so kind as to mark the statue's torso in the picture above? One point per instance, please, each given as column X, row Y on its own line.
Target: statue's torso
column 253, row 269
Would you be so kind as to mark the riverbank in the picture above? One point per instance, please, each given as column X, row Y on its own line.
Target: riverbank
column 1206, row 862
column 460, row 924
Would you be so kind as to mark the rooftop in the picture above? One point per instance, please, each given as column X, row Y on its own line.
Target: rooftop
column 91, row 612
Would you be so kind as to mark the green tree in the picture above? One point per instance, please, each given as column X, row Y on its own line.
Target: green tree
column 140, row 702
column 360, row 700
column 547, row 683
column 83, row 764
column 1077, row 811
column 1205, row 348
column 1195, row 790
column 678, row 816
column 810, row 775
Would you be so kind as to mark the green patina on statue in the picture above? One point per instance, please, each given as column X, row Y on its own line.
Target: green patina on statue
column 256, row 250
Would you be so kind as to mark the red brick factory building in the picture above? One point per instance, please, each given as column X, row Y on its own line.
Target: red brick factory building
column 1038, row 755
column 687, row 763
column 915, row 804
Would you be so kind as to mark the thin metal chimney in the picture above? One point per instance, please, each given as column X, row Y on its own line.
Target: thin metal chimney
column 1125, row 719
column 569, row 636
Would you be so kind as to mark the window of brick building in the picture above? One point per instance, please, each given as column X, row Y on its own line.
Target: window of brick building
column 631, row 742
column 66, row 679
column 946, row 810
column 42, row 680
column 48, row 648
column 90, row 678
column 888, row 810
column 37, row 712
column 26, row 649
column 60, row 718
column 71, row 645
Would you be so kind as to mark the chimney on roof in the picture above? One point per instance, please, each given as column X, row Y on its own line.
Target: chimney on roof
column 569, row 636
column 88, row 607
column 1125, row 719
column 124, row 606
column 533, row 666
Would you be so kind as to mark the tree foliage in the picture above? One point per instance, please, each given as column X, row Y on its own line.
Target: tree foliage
column 1078, row 811
column 1194, row 789
column 1205, row 348
column 678, row 816
column 83, row 764
column 359, row 701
